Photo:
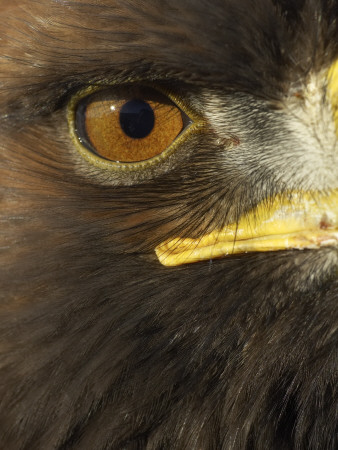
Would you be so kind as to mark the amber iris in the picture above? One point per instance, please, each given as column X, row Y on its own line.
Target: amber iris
column 128, row 124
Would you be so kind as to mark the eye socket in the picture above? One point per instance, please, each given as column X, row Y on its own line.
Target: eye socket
column 126, row 126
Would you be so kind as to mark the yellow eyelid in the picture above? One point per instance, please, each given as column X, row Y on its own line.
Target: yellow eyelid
column 99, row 162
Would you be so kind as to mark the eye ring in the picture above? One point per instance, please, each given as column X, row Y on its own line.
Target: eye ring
column 100, row 162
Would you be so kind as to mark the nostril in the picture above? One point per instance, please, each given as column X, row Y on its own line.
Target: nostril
column 325, row 222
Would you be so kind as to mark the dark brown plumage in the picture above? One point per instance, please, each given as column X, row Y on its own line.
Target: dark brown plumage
column 102, row 347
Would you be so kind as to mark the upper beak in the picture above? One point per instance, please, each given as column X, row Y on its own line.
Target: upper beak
column 295, row 221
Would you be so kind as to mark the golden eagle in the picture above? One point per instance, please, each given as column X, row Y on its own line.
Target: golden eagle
column 169, row 224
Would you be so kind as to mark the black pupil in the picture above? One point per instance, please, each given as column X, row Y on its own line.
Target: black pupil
column 137, row 119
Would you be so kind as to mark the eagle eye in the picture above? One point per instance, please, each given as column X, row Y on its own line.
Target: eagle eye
column 126, row 127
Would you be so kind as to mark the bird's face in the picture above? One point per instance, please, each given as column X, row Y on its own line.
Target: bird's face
column 110, row 338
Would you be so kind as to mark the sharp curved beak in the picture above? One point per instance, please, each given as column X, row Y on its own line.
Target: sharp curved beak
column 296, row 221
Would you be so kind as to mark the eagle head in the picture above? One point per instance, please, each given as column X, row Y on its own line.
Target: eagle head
column 169, row 224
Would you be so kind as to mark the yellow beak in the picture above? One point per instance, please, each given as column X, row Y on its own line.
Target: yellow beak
column 297, row 221
column 333, row 91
